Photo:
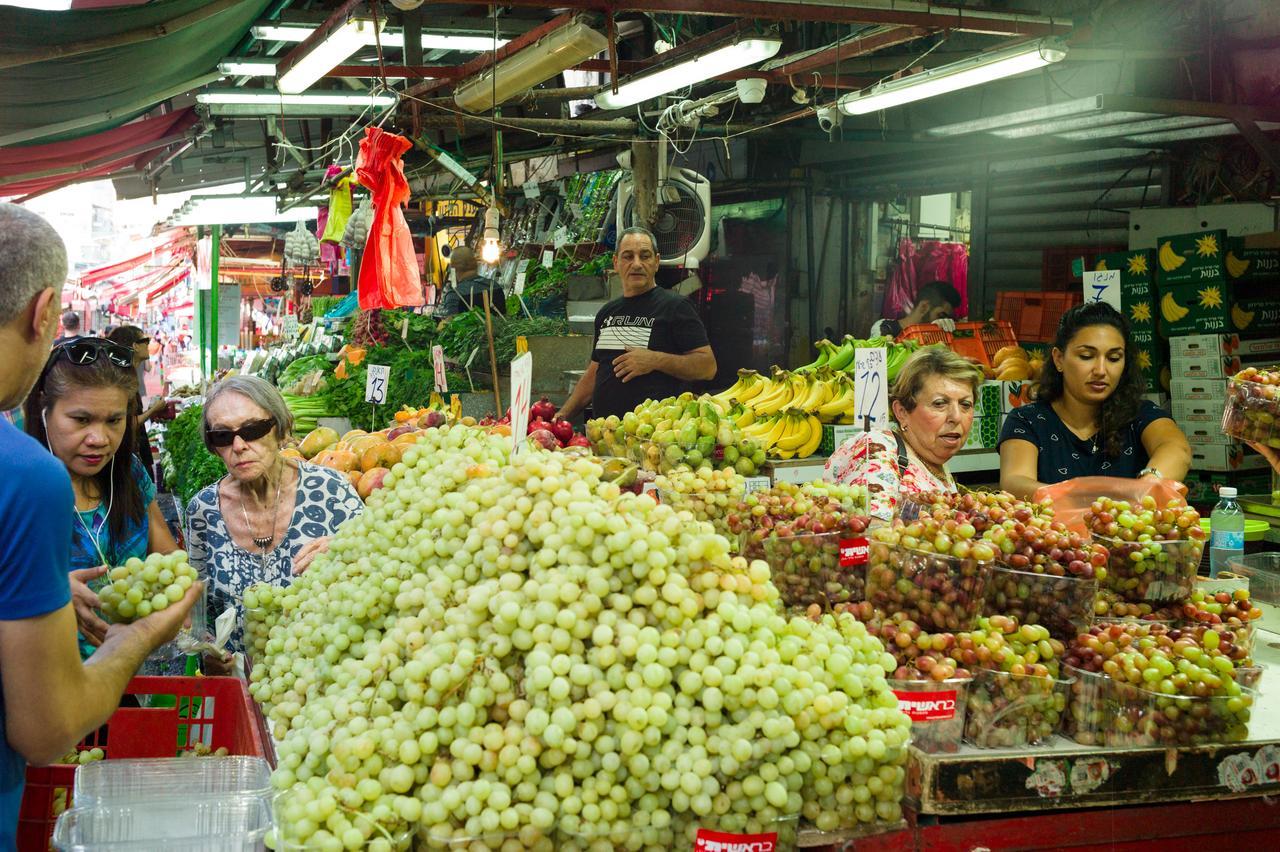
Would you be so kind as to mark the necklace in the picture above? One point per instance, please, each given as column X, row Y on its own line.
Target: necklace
column 263, row 542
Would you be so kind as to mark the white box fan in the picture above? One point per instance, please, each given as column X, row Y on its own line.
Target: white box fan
column 683, row 221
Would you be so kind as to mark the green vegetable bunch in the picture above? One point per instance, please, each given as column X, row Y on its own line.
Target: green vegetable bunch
column 187, row 460
column 504, row 338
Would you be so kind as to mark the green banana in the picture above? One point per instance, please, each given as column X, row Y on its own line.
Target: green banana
column 842, row 358
column 825, row 347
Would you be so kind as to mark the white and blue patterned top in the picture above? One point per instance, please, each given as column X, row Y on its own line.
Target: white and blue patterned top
column 325, row 499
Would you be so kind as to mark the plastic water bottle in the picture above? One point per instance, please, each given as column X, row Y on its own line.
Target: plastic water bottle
column 1226, row 531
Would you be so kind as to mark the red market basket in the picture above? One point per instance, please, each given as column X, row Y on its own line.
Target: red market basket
column 977, row 340
column 214, row 711
column 1034, row 315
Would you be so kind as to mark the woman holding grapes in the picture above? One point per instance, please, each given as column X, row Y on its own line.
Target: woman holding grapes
column 1089, row 418
column 82, row 409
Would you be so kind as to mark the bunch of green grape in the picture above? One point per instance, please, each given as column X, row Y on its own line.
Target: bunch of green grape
column 138, row 588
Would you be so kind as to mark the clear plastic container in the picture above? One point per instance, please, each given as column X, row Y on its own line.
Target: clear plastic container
column 1007, row 710
column 1252, row 412
column 1087, row 710
column 936, row 592
column 1137, row 717
column 936, row 709
column 217, row 824
column 737, row 831
column 712, row 507
column 1063, row 604
column 621, row 836
column 809, row 569
column 1153, row 571
column 526, row 839
column 146, row 779
column 1263, row 573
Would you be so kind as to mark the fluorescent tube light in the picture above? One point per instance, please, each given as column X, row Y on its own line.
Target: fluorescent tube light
column 340, row 42
column 248, row 67
column 973, row 71
column 241, row 96
column 236, row 209
column 430, row 41
column 722, row 60
column 526, row 68
column 39, row 5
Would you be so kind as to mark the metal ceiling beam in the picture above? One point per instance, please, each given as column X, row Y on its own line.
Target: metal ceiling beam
column 916, row 13
column 773, row 76
column 849, row 48
column 318, row 35
column 409, row 72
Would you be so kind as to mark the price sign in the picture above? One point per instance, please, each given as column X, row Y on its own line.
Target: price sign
column 437, row 366
column 375, row 384
column 718, row 841
column 531, row 189
column 548, row 258
column 521, row 388
column 1102, row 285
column 871, row 388
column 854, row 552
column 522, row 273
column 291, row 326
column 651, row 488
column 404, row 330
column 755, row 483
column 561, row 238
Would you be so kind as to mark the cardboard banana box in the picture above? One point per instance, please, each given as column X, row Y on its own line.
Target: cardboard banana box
column 1198, row 258
column 1152, row 358
column 1137, row 285
column 1220, row 307
column 1251, row 264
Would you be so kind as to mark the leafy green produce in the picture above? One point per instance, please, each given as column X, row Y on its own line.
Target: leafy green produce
column 504, row 337
column 422, row 327
column 188, row 460
column 412, row 381
column 461, row 334
column 299, row 368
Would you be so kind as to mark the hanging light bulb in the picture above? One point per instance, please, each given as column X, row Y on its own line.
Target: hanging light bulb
column 490, row 251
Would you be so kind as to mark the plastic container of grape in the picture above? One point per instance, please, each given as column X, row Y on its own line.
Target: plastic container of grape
column 145, row 779
column 1252, row 412
column 1064, row 604
column 824, row 568
column 1137, row 717
column 738, row 831
column 1263, row 573
column 1087, row 710
column 936, row 709
column 935, row 591
column 710, row 506
column 528, row 839
column 1009, row 710
column 1153, row 571
column 215, row 711
column 185, row 824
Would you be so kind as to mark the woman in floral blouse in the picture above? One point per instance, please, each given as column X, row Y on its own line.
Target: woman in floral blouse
column 933, row 400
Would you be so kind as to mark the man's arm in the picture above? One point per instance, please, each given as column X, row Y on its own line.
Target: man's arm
column 697, row 365
column 53, row 699
column 581, row 395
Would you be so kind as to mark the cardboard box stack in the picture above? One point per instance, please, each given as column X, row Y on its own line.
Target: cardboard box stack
column 1218, row 308
column 1138, row 304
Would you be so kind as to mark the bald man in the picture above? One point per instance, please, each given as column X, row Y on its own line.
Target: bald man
column 466, row 292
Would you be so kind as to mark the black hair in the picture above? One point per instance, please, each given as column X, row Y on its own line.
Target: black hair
column 126, row 335
column 116, row 479
column 1120, row 409
column 938, row 292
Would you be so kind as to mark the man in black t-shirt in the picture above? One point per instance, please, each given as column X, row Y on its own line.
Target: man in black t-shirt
column 648, row 345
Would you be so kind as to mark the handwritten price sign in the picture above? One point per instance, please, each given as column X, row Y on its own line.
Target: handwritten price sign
column 521, row 388
column 871, row 388
column 1102, row 286
column 375, row 384
column 437, row 366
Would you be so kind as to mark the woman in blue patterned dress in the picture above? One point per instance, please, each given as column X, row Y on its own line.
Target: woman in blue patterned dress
column 82, row 410
column 270, row 515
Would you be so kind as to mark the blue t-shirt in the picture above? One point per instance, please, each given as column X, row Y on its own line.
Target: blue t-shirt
column 1065, row 456
column 35, row 540
column 92, row 543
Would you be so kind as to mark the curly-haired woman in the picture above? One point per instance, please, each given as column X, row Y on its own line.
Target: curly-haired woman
column 1089, row 418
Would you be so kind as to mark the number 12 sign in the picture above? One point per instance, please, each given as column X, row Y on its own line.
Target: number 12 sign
column 871, row 388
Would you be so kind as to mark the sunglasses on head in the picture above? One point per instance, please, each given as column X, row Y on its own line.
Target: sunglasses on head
column 86, row 350
column 249, row 432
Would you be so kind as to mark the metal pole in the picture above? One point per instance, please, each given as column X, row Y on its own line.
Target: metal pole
column 214, row 250
column 493, row 358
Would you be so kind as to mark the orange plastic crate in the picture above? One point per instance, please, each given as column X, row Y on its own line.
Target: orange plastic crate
column 215, row 711
column 977, row 340
column 1034, row 315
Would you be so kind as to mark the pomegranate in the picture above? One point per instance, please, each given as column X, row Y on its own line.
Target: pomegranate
column 563, row 430
column 578, row 441
column 543, row 409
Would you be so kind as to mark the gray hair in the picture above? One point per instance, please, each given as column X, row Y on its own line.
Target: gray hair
column 637, row 229
column 32, row 258
column 258, row 391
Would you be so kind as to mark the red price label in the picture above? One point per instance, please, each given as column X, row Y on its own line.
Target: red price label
column 719, row 841
column 927, row 706
column 853, row 552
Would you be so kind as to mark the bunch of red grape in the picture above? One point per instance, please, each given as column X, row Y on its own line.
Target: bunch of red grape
column 1155, row 550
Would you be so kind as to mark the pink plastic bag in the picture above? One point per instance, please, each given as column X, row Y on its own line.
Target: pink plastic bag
column 1072, row 498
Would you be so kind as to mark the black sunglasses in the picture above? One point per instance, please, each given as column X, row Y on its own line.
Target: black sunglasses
column 249, row 432
column 83, row 351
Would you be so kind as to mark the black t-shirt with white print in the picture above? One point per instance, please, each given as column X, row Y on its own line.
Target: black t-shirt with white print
column 659, row 320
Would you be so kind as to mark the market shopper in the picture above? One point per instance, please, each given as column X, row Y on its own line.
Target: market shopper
column 139, row 342
column 468, row 287
column 268, row 518
column 49, row 699
column 70, row 325
column 649, row 344
column 81, row 409
column 936, row 302
column 933, row 405
column 1089, row 418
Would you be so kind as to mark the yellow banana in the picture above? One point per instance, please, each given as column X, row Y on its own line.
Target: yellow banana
column 784, row 454
column 1170, row 260
column 1242, row 318
column 778, row 400
column 820, row 394
column 1235, row 266
column 779, row 429
column 815, row 439
column 837, row 405
column 1170, row 309
column 798, row 431
column 746, row 419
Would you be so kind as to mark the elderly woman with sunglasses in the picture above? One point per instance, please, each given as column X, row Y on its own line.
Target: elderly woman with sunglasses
column 82, row 409
column 268, row 518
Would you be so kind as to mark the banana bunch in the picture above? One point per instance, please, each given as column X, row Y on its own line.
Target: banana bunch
column 790, row 433
column 1169, row 259
column 1235, row 266
column 1169, row 308
column 823, row 393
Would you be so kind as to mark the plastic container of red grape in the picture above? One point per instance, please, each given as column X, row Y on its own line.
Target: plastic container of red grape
column 935, row 591
column 825, row 568
column 1008, row 710
column 710, row 506
column 1252, row 412
column 1138, row 717
column 936, row 709
column 1152, row 571
column 1063, row 604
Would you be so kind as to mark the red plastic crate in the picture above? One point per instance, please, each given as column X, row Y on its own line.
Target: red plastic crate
column 1056, row 265
column 215, row 711
column 977, row 340
column 1034, row 315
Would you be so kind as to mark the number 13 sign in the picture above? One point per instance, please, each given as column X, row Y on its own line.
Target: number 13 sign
column 871, row 388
